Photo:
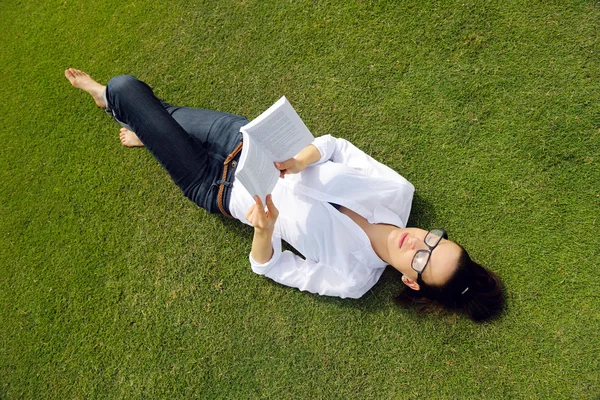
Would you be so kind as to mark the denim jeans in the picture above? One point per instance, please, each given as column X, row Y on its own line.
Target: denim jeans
column 190, row 143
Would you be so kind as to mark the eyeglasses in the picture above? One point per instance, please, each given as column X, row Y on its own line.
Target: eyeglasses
column 421, row 258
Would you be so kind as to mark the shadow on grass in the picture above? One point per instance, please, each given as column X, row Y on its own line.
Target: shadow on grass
column 422, row 213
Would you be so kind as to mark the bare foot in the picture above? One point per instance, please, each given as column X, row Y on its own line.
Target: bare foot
column 83, row 81
column 130, row 139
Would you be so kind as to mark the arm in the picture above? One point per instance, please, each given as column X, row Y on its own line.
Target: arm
column 342, row 151
column 328, row 148
column 264, row 224
column 325, row 279
column 397, row 191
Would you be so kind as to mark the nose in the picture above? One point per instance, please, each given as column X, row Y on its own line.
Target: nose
column 415, row 243
column 411, row 242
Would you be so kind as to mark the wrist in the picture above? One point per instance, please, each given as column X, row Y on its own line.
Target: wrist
column 301, row 163
column 308, row 156
column 263, row 233
column 262, row 250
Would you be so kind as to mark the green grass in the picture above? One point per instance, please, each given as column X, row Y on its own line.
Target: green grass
column 113, row 285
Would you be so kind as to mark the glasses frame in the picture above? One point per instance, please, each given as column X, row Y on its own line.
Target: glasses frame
column 443, row 235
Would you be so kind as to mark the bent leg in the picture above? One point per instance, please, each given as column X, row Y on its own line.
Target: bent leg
column 134, row 103
column 217, row 132
column 190, row 164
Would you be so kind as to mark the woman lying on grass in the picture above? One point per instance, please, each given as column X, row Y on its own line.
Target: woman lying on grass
column 343, row 210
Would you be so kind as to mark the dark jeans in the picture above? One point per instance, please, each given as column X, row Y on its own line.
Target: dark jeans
column 190, row 143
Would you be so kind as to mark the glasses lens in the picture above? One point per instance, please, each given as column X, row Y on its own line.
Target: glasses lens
column 420, row 260
column 433, row 237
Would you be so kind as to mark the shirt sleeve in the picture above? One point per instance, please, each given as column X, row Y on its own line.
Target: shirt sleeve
column 326, row 146
column 343, row 152
column 291, row 270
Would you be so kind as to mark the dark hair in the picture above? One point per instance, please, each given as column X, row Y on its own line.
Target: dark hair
column 483, row 300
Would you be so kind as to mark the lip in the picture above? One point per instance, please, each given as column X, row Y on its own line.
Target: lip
column 403, row 238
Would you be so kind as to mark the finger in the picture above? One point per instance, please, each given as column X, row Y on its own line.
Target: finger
column 259, row 211
column 250, row 212
column 282, row 173
column 281, row 165
column 271, row 207
column 257, row 218
column 270, row 201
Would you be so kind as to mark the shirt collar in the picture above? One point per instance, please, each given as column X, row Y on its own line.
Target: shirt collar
column 382, row 215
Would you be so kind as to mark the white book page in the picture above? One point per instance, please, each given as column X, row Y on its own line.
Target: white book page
column 279, row 131
column 255, row 170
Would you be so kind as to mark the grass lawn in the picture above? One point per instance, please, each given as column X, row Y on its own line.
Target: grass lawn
column 113, row 285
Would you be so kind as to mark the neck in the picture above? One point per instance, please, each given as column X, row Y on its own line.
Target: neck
column 377, row 233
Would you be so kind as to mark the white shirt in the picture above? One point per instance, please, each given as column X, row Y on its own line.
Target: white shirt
column 339, row 259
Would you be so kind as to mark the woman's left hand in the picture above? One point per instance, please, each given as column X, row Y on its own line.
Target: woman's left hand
column 261, row 220
column 309, row 155
column 291, row 166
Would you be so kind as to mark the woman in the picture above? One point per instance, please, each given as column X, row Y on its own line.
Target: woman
column 343, row 210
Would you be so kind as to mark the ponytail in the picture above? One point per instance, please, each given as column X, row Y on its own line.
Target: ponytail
column 473, row 289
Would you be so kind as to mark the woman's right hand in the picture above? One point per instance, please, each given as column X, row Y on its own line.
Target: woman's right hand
column 261, row 220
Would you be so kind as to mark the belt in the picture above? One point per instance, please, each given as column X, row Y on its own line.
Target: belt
column 223, row 179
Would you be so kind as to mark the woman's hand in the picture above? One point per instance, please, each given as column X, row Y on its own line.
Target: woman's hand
column 264, row 224
column 291, row 166
column 309, row 155
column 261, row 220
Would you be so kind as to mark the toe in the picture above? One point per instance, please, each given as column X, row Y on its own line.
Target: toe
column 68, row 74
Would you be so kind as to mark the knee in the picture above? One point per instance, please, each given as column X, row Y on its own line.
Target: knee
column 122, row 83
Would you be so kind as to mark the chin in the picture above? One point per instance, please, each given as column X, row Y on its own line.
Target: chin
column 393, row 238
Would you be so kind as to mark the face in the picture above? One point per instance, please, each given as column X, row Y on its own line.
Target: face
column 404, row 243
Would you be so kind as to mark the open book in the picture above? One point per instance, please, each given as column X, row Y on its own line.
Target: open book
column 277, row 134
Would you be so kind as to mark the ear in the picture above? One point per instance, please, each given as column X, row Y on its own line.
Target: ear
column 410, row 283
